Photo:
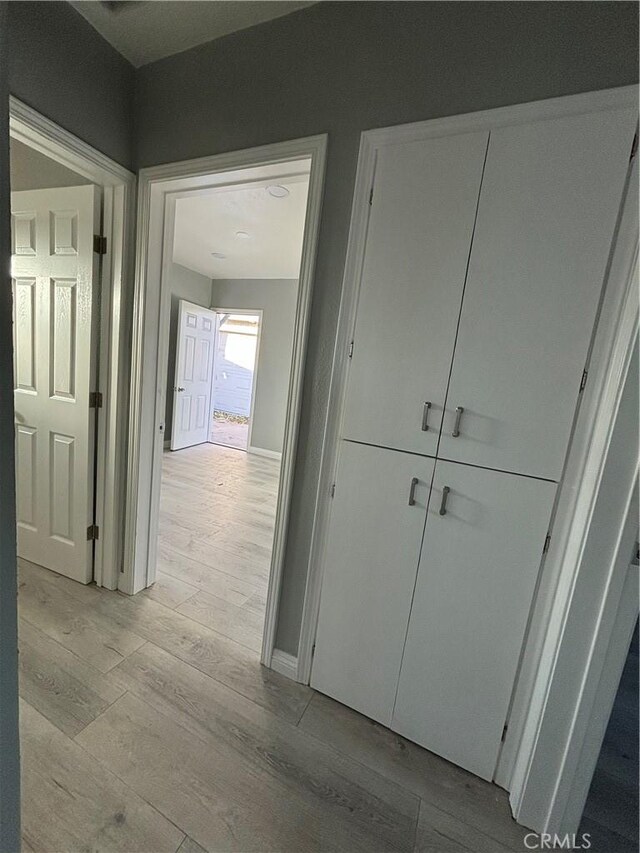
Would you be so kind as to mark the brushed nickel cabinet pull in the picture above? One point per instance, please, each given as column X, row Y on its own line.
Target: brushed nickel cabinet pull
column 456, row 424
column 412, row 491
column 425, row 416
column 443, row 504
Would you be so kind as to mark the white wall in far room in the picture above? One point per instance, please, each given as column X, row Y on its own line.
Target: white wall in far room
column 276, row 298
column 183, row 284
column 31, row 170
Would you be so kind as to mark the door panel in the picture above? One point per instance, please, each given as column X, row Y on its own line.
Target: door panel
column 476, row 579
column 54, row 273
column 369, row 573
column 411, row 287
column 194, row 367
column 548, row 206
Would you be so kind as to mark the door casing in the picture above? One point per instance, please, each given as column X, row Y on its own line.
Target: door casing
column 158, row 188
column 118, row 190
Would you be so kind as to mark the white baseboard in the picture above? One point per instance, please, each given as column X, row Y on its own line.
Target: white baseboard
column 167, row 444
column 262, row 451
column 285, row 664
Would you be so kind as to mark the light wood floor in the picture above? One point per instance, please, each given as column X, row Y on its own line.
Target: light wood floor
column 149, row 725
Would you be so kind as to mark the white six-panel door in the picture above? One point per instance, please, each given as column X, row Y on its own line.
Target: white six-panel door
column 377, row 518
column 477, row 573
column 548, row 206
column 195, row 348
column 54, row 275
column 411, row 288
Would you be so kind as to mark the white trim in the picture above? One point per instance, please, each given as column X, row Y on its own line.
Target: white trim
column 263, row 451
column 587, row 738
column 613, row 348
column 284, row 663
column 370, row 142
column 46, row 137
column 157, row 186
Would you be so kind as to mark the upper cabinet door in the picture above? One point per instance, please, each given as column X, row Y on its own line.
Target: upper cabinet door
column 548, row 207
column 421, row 222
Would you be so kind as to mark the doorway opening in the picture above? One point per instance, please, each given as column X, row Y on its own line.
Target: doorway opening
column 71, row 228
column 234, row 378
column 232, row 279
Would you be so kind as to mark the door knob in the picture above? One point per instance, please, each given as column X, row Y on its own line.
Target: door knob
column 178, row 389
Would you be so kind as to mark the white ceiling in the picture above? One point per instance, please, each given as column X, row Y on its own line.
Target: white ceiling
column 207, row 222
column 145, row 31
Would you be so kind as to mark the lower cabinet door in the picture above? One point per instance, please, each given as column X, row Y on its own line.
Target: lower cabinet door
column 479, row 564
column 375, row 531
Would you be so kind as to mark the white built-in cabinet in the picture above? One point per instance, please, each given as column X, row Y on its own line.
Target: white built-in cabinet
column 479, row 284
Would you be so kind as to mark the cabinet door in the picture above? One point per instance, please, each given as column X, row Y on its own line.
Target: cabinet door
column 547, row 213
column 476, row 579
column 421, row 221
column 369, row 573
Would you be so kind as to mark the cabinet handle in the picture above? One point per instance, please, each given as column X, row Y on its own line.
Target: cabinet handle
column 425, row 416
column 456, row 423
column 412, row 491
column 443, row 503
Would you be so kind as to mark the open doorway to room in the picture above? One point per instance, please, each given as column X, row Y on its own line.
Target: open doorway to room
column 234, row 377
column 70, row 239
column 55, row 213
column 235, row 252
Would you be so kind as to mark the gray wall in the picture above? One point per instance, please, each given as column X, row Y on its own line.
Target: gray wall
column 60, row 66
column 277, row 299
column 185, row 284
column 31, row 170
column 9, row 748
column 341, row 68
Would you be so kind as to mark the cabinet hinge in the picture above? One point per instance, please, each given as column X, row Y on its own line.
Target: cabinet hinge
column 351, row 350
column 371, row 196
column 583, row 381
column 95, row 399
column 504, row 732
column 93, row 532
column 547, row 542
column 99, row 244
column 634, row 147
column 332, row 490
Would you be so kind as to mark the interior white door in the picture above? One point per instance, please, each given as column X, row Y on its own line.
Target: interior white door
column 475, row 585
column 419, row 235
column 54, row 275
column 193, row 384
column 377, row 520
column 548, row 207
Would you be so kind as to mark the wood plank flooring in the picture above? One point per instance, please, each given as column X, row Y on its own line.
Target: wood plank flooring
column 148, row 724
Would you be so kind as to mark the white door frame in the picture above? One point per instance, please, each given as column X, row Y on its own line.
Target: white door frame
column 616, row 331
column 158, row 187
column 254, row 312
column 118, row 191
